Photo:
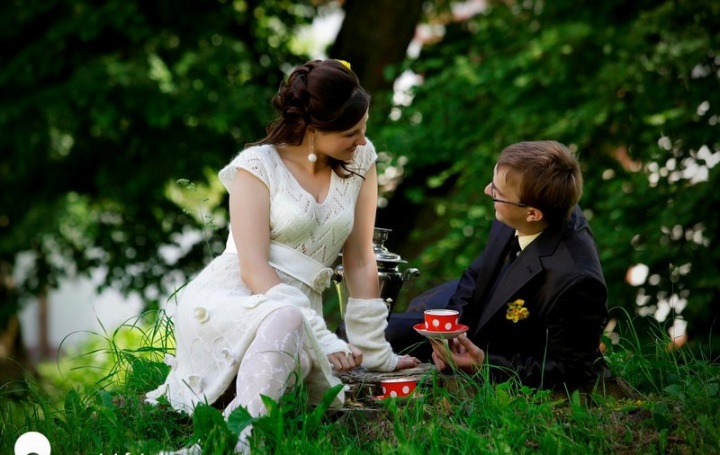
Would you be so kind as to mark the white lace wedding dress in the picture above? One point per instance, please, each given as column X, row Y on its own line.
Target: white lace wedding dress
column 216, row 317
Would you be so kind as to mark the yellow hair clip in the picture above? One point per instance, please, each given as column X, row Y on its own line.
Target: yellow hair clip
column 345, row 64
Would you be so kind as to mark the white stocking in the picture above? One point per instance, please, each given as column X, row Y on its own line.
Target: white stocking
column 269, row 365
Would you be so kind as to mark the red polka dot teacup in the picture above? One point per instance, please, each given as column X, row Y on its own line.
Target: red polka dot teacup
column 441, row 320
column 398, row 387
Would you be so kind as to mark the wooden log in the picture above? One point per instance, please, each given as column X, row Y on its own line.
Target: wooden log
column 364, row 385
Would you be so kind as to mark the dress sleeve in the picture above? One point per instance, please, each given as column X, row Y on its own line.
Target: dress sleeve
column 254, row 160
column 365, row 156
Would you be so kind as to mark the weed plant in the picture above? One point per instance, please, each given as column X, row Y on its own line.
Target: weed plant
column 668, row 403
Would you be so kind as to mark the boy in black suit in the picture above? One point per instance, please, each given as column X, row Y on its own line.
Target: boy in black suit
column 535, row 313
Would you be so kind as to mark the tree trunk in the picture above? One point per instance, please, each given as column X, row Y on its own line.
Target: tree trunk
column 375, row 34
column 44, row 349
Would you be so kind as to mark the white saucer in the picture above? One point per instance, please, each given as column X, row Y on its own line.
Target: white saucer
column 420, row 328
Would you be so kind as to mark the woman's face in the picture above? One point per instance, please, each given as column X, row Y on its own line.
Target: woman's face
column 341, row 145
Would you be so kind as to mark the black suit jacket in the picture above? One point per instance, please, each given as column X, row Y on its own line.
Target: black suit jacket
column 560, row 279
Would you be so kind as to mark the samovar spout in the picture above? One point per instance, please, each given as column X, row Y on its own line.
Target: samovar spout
column 410, row 274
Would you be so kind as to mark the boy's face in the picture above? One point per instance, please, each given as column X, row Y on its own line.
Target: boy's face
column 506, row 198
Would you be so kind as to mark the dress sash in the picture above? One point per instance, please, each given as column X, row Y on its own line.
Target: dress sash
column 296, row 264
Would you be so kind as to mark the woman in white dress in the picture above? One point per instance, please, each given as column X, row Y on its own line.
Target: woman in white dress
column 297, row 198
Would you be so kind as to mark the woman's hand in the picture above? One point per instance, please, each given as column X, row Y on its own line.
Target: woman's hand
column 406, row 361
column 346, row 362
column 458, row 353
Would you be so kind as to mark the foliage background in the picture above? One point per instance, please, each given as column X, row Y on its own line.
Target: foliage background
column 104, row 107
column 630, row 87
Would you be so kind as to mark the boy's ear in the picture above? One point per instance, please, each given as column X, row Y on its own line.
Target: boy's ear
column 534, row 215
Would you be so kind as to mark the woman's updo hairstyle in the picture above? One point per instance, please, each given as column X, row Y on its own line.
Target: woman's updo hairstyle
column 324, row 94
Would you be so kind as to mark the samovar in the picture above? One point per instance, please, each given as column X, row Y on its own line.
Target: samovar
column 390, row 277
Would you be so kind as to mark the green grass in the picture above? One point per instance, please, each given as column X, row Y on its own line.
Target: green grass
column 91, row 402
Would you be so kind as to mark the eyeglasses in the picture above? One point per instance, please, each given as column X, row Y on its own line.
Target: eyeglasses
column 492, row 194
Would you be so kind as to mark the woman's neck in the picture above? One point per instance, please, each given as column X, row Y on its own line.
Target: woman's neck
column 297, row 157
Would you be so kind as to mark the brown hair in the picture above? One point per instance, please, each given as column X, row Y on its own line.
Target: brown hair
column 548, row 175
column 324, row 94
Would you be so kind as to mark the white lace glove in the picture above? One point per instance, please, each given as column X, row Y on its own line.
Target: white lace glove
column 365, row 323
column 328, row 342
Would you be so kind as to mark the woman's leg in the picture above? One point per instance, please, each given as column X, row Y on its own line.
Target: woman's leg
column 269, row 365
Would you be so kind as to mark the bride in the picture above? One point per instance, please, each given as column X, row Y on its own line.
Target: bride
column 252, row 319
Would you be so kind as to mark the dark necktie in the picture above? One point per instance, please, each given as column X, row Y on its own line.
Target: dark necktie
column 513, row 249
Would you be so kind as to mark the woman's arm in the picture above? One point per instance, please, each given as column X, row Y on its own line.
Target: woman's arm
column 250, row 225
column 366, row 314
column 359, row 264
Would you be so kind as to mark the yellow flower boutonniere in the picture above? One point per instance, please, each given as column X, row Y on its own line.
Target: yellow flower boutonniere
column 345, row 64
column 516, row 311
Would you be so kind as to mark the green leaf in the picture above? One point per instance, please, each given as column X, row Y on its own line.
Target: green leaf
column 239, row 419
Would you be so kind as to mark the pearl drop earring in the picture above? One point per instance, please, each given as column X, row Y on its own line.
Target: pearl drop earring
column 312, row 157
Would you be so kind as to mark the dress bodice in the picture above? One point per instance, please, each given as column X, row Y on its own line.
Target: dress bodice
column 317, row 230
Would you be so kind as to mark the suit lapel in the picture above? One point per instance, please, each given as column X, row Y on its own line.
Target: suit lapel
column 527, row 265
